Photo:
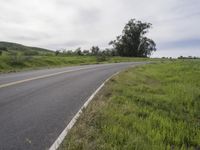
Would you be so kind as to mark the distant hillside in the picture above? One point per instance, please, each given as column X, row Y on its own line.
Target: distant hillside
column 15, row 47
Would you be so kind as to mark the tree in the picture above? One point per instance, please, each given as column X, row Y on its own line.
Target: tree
column 86, row 52
column 78, row 51
column 57, row 52
column 132, row 42
column 3, row 49
column 95, row 50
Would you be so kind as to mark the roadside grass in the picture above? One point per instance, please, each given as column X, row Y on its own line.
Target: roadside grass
column 153, row 107
column 20, row 62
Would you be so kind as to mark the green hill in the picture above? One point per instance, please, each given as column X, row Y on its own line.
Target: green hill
column 19, row 48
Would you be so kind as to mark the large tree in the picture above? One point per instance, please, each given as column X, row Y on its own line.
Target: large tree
column 132, row 42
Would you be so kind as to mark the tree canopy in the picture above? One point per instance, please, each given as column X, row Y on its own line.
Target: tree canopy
column 132, row 42
column 95, row 50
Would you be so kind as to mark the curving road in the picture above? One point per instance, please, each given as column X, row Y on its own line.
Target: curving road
column 36, row 106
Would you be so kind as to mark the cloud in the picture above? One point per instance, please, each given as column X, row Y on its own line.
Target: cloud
column 177, row 52
column 186, row 43
column 70, row 24
column 67, row 45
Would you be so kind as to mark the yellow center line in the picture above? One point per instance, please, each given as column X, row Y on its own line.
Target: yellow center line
column 40, row 77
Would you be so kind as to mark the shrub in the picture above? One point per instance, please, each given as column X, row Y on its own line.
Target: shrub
column 31, row 53
column 19, row 59
column 101, row 57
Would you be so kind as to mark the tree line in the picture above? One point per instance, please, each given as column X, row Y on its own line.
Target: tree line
column 93, row 51
column 131, row 43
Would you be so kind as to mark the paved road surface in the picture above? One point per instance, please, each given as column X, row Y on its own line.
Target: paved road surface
column 36, row 106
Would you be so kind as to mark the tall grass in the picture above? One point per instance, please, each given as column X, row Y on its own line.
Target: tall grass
column 154, row 107
column 9, row 63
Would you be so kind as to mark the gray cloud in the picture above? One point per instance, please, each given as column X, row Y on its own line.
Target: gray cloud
column 186, row 43
column 89, row 16
column 72, row 23
column 68, row 45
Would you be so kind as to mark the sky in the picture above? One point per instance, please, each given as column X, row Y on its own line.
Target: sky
column 68, row 24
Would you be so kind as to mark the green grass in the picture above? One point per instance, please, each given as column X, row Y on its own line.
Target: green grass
column 21, row 62
column 153, row 107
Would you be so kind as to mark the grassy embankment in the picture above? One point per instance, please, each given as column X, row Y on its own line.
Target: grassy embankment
column 156, row 107
column 20, row 62
column 17, row 57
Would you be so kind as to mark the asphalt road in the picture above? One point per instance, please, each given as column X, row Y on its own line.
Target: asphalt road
column 36, row 106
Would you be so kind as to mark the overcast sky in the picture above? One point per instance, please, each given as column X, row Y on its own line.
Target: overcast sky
column 70, row 24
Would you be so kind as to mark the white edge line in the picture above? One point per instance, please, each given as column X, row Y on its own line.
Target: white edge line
column 64, row 133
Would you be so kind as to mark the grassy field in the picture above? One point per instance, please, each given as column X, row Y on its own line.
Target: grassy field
column 21, row 62
column 153, row 107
